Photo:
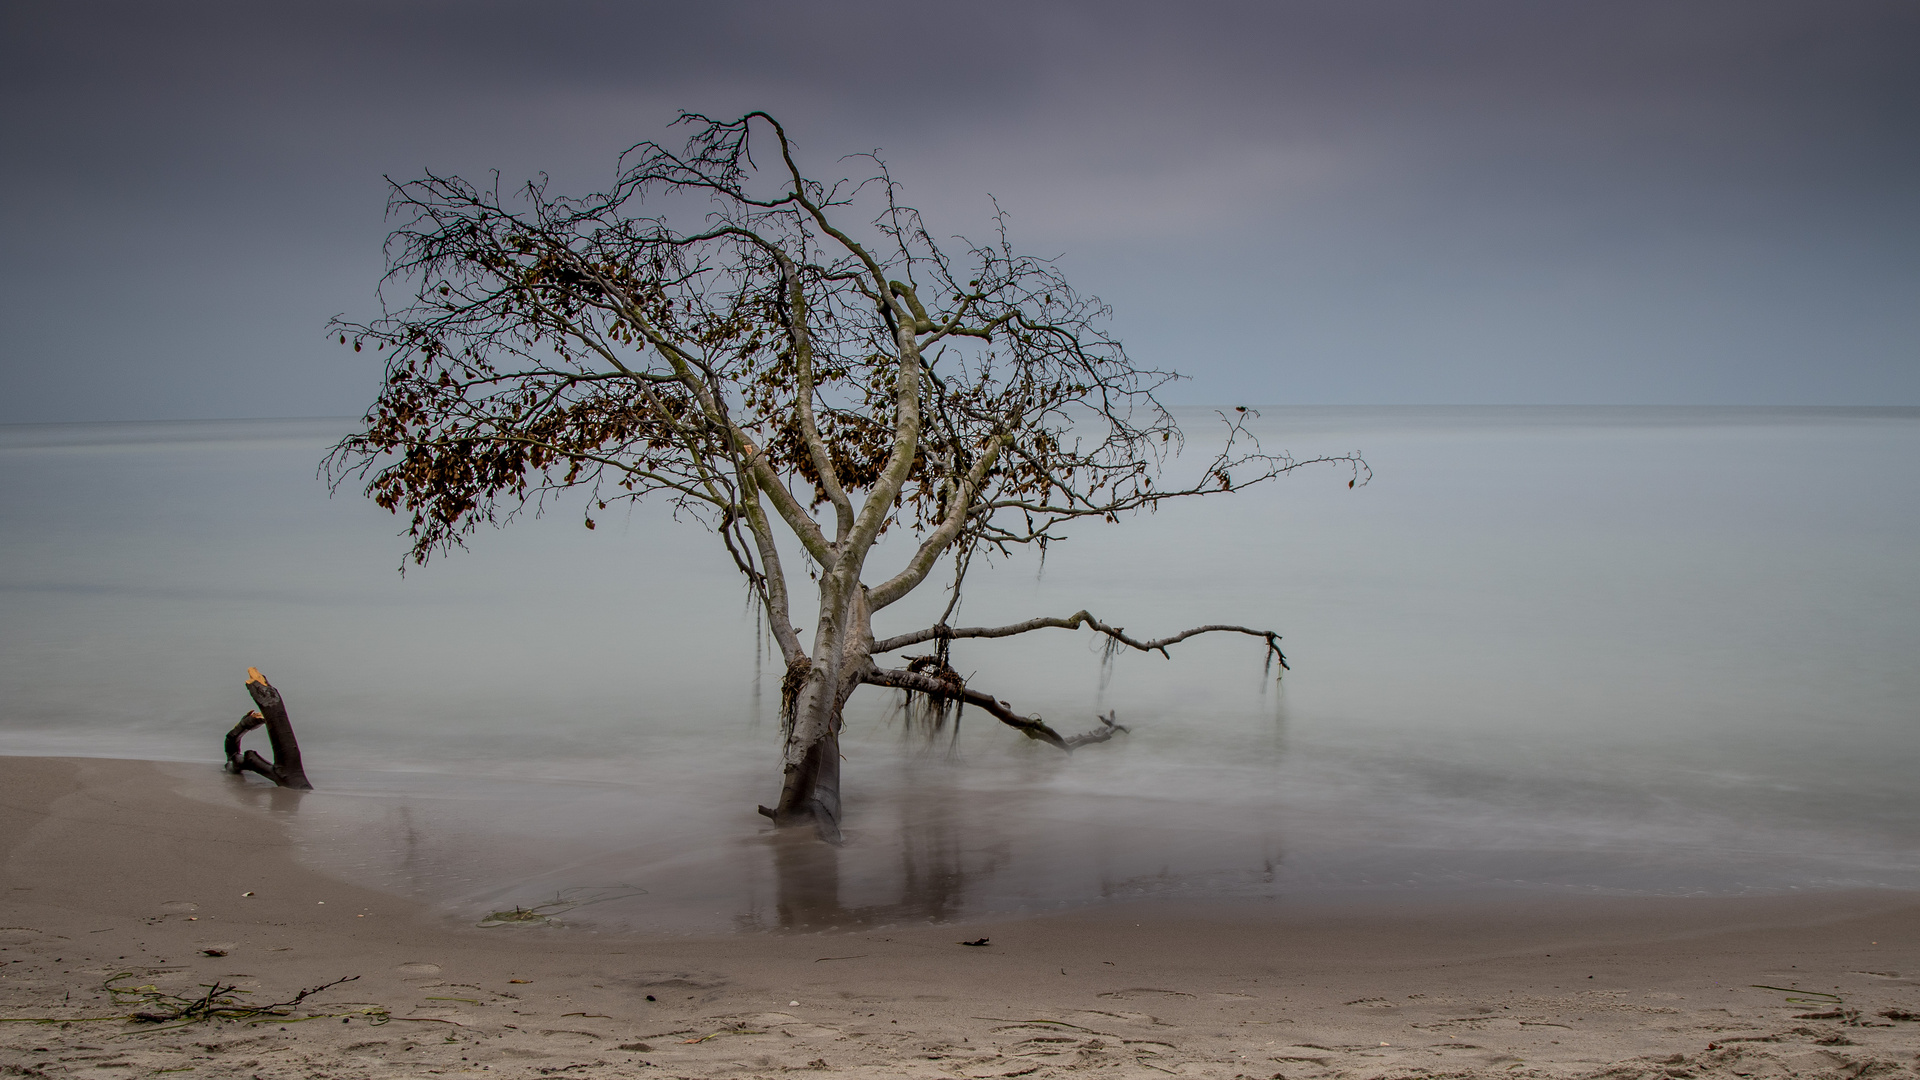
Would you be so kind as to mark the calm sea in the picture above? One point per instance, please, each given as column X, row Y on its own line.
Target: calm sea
column 1632, row 650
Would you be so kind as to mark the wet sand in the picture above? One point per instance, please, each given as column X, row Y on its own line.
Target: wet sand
column 159, row 872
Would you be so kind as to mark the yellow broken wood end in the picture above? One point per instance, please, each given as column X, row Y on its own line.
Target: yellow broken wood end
column 254, row 676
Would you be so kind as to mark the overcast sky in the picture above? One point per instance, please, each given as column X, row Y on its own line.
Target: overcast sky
column 1352, row 201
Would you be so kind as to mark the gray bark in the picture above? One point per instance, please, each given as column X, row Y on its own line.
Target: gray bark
column 810, row 782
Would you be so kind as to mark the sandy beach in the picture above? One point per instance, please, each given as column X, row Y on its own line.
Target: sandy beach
column 156, row 879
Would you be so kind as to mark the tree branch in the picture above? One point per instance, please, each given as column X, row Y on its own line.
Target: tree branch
column 960, row 506
column 1075, row 622
column 932, row 684
column 774, row 595
column 796, row 319
column 790, row 511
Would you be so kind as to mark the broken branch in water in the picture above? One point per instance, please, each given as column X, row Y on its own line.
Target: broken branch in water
column 285, row 769
column 944, row 684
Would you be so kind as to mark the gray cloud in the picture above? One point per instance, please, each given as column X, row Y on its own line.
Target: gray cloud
column 1341, row 201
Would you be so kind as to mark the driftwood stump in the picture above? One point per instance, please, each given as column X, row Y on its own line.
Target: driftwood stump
column 285, row 769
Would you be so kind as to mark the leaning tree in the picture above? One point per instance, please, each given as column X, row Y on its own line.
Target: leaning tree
column 805, row 356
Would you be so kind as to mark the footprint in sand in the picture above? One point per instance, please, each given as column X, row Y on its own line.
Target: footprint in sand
column 418, row 969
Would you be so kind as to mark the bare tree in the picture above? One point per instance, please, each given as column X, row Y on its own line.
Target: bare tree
column 807, row 358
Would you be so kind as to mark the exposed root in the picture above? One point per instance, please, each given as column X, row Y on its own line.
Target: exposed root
column 928, row 711
column 794, row 681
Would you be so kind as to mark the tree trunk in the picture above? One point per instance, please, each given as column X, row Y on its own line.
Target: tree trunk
column 285, row 769
column 810, row 790
column 810, row 785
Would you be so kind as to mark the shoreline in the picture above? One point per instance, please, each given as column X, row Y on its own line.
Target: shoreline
column 108, row 867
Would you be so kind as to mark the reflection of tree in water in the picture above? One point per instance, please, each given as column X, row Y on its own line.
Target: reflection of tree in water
column 928, row 881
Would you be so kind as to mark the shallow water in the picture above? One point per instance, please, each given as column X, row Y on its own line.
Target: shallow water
column 1635, row 650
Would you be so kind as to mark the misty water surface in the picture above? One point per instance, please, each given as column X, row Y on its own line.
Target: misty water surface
column 1634, row 650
